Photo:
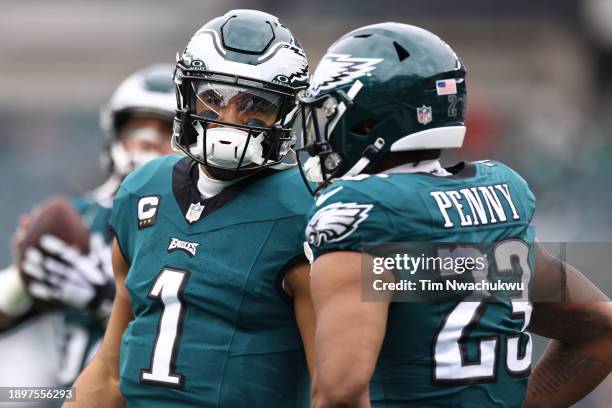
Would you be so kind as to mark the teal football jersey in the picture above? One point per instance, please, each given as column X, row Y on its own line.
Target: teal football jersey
column 96, row 214
column 443, row 351
column 81, row 334
column 211, row 325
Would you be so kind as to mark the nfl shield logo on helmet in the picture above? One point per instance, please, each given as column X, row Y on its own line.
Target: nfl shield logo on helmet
column 194, row 212
column 424, row 115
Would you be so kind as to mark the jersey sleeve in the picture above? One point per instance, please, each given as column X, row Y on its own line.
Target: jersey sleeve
column 122, row 222
column 344, row 219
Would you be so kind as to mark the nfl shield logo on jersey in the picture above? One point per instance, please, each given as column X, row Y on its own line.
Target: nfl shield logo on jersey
column 424, row 114
column 194, row 212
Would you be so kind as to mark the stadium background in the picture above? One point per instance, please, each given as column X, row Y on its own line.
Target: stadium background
column 539, row 80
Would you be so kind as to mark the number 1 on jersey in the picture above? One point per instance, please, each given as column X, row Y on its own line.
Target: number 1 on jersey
column 168, row 290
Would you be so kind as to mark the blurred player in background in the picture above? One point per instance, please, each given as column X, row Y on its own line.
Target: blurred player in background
column 137, row 123
column 383, row 103
column 211, row 312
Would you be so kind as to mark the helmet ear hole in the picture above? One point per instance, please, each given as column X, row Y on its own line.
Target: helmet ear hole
column 364, row 127
column 402, row 53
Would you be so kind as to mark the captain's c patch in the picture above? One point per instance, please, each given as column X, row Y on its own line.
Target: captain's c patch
column 147, row 211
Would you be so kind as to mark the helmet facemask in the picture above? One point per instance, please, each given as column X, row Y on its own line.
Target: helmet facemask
column 230, row 123
column 132, row 146
column 312, row 126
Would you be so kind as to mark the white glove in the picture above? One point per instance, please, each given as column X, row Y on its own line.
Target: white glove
column 61, row 274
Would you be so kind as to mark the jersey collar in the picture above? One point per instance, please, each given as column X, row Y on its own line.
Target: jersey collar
column 426, row 166
column 185, row 177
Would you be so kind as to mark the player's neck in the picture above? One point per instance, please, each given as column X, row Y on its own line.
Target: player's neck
column 209, row 186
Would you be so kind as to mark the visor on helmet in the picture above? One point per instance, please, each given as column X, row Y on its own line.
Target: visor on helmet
column 235, row 104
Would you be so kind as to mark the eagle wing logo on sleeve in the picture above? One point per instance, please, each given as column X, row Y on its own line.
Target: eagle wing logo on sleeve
column 335, row 222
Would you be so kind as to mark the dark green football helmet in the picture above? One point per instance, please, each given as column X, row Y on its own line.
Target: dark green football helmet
column 382, row 88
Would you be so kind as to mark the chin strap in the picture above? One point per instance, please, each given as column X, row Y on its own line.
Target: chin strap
column 368, row 156
column 289, row 162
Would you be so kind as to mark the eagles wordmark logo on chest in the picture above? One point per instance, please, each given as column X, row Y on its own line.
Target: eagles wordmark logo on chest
column 189, row 247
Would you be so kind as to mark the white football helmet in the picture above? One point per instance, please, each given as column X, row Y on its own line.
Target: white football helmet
column 237, row 82
column 149, row 92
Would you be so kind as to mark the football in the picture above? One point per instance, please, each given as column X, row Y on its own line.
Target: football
column 56, row 217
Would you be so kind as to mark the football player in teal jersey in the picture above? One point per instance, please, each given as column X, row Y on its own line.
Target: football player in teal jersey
column 137, row 122
column 212, row 284
column 383, row 103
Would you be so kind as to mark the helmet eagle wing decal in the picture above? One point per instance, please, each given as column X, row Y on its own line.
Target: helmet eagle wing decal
column 339, row 69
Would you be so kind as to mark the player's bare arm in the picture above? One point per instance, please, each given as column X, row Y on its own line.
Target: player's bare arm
column 297, row 281
column 349, row 332
column 578, row 319
column 98, row 384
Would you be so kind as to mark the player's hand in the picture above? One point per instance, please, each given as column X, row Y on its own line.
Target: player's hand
column 61, row 274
